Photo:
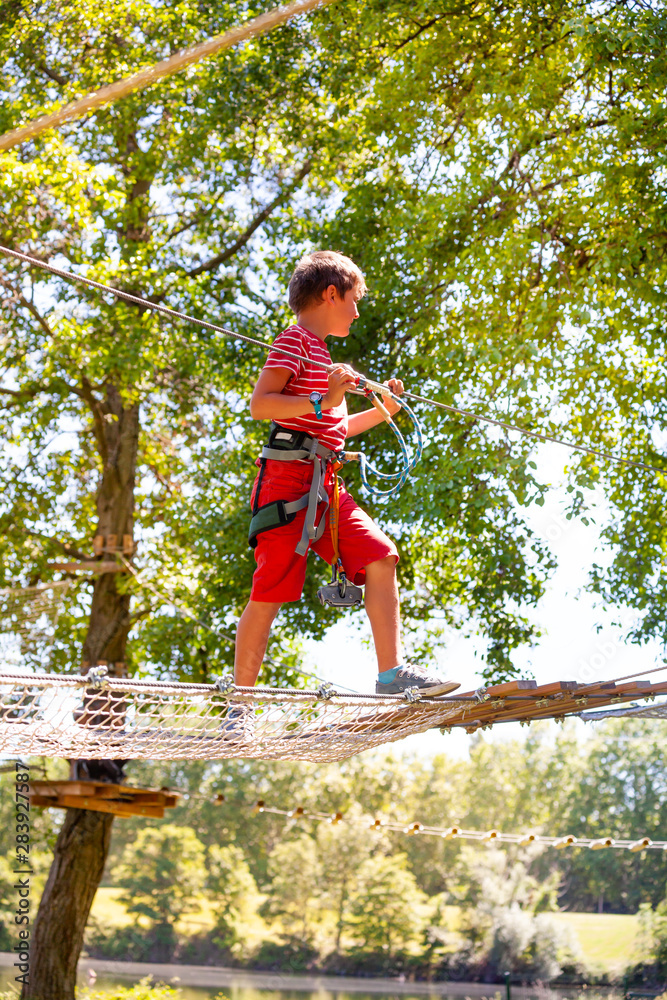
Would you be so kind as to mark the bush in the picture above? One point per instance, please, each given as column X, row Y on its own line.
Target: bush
column 515, row 940
column 233, row 894
column 143, row 990
column 6, row 942
column 131, row 944
column 161, row 873
column 289, row 955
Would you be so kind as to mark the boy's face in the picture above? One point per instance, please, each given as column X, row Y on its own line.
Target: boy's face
column 342, row 310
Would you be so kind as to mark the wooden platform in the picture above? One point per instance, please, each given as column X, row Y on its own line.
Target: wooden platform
column 525, row 702
column 100, row 796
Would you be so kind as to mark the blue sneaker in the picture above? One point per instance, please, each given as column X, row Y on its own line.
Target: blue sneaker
column 238, row 726
column 407, row 676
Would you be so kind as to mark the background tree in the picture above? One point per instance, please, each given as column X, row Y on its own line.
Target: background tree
column 160, row 875
column 232, row 891
column 342, row 849
column 385, row 907
column 497, row 172
column 295, row 879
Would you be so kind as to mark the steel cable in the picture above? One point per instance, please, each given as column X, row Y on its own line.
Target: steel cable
column 375, row 386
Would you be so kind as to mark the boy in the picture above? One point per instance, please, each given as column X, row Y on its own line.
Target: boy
column 308, row 405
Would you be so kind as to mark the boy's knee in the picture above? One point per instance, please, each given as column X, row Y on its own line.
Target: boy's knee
column 387, row 564
column 265, row 609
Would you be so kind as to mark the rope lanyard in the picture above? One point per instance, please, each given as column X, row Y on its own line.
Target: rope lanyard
column 334, row 513
column 367, row 383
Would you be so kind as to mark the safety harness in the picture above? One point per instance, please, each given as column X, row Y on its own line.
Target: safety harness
column 287, row 445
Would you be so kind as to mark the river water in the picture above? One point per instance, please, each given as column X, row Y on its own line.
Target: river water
column 207, row 983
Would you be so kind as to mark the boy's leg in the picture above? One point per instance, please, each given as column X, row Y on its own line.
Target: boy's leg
column 384, row 613
column 370, row 557
column 252, row 637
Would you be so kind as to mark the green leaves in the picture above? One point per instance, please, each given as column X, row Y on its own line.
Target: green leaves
column 501, row 180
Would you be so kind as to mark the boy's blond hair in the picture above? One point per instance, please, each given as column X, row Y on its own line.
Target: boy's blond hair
column 316, row 271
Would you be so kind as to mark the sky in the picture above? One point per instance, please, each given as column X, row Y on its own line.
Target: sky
column 571, row 647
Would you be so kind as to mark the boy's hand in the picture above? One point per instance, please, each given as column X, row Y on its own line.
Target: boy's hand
column 341, row 378
column 398, row 389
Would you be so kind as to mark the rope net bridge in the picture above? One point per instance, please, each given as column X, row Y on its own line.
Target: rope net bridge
column 96, row 716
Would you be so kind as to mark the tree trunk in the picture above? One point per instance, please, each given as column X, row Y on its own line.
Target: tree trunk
column 117, row 433
column 79, row 858
column 83, row 843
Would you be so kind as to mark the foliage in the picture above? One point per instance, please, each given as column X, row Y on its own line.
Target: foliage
column 621, row 789
column 130, row 943
column 498, row 174
column 233, row 893
column 161, row 873
column 494, row 880
column 143, row 990
column 653, row 937
column 385, row 905
column 329, row 889
column 342, row 852
column 295, row 877
column 529, row 945
column 548, row 782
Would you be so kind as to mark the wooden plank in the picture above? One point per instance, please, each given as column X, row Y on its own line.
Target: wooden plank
column 104, row 791
column 515, row 712
column 105, row 806
column 556, row 687
column 569, row 704
column 96, row 805
column 41, row 801
column 89, row 567
column 511, row 687
column 63, row 787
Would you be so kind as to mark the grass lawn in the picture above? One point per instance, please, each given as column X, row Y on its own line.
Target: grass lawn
column 607, row 939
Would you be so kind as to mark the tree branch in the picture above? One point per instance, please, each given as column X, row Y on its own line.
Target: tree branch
column 32, row 309
column 214, row 262
column 98, row 418
column 23, row 395
column 65, row 547
column 52, row 75
column 420, row 30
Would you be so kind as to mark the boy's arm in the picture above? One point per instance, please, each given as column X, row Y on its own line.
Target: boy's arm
column 268, row 401
column 360, row 422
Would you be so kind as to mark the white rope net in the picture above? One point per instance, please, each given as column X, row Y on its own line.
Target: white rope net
column 28, row 620
column 96, row 717
column 657, row 711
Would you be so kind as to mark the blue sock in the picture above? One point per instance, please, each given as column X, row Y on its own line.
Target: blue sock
column 387, row 676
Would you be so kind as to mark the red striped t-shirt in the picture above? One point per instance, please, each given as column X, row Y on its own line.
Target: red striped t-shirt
column 331, row 430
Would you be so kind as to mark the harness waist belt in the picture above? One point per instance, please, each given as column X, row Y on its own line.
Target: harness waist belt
column 286, row 445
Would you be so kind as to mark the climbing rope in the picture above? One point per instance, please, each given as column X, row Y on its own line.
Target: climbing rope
column 151, row 74
column 376, row 387
column 397, row 479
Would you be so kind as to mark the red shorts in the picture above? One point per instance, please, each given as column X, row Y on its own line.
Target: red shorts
column 281, row 573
